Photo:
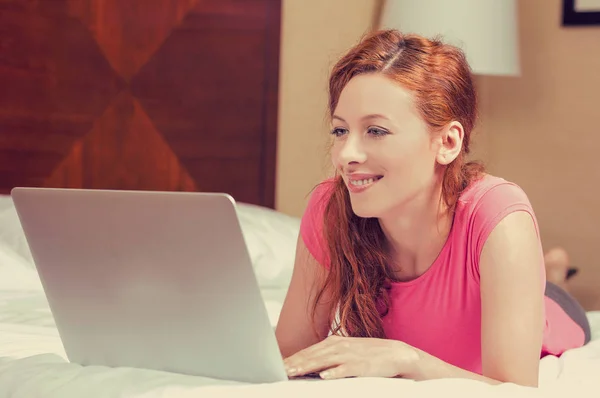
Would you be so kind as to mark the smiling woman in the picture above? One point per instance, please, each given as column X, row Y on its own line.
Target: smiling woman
column 398, row 143
column 416, row 262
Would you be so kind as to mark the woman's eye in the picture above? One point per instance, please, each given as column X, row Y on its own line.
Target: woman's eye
column 338, row 132
column 377, row 131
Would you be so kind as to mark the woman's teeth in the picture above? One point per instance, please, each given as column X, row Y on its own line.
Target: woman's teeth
column 363, row 182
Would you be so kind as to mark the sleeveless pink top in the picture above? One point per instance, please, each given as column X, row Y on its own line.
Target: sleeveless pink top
column 440, row 311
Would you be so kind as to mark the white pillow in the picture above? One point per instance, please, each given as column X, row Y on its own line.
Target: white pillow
column 270, row 236
column 5, row 202
column 16, row 273
column 11, row 232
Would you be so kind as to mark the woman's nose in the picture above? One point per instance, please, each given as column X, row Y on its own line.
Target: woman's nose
column 352, row 150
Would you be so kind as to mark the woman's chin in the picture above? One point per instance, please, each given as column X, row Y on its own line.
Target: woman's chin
column 365, row 210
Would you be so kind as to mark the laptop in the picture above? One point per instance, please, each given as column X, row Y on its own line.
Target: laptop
column 153, row 280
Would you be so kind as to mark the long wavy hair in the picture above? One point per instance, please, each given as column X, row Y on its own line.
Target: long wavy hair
column 440, row 78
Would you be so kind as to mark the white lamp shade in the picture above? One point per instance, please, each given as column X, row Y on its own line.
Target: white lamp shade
column 486, row 30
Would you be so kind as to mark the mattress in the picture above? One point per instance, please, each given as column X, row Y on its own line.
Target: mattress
column 33, row 362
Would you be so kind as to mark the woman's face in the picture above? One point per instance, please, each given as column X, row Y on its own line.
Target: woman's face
column 382, row 147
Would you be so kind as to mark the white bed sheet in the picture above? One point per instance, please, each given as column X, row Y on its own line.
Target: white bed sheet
column 33, row 364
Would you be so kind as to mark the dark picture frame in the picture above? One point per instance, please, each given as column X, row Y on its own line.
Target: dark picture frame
column 572, row 17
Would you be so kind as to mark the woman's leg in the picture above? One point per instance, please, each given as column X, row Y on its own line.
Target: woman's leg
column 571, row 307
column 557, row 273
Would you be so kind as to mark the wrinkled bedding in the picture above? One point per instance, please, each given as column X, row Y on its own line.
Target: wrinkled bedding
column 33, row 362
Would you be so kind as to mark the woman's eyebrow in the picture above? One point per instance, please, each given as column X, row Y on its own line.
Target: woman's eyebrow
column 366, row 117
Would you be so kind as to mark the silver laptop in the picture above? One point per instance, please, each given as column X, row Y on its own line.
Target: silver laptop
column 154, row 280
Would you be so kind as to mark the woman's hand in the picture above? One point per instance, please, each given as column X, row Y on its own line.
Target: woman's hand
column 339, row 357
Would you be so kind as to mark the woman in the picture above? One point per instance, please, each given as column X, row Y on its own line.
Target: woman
column 412, row 262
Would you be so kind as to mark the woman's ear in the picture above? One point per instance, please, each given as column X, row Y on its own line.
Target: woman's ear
column 451, row 140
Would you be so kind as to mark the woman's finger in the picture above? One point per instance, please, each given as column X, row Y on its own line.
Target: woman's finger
column 341, row 371
column 316, row 363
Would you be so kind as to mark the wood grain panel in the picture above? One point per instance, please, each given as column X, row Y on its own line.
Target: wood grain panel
column 161, row 95
column 269, row 139
column 126, row 44
column 207, row 85
column 123, row 150
column 46, row 103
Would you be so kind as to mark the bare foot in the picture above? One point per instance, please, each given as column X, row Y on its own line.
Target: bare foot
column 557, row 265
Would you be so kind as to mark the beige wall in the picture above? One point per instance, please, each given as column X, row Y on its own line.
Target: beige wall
column 540, row 130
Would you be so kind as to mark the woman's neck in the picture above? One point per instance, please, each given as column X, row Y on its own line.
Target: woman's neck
column 417, row 233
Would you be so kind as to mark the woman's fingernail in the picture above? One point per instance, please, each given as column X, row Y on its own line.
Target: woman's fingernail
column 325, row 374
column 292, row 371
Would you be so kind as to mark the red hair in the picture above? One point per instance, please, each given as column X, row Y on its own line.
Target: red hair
column 440, row 79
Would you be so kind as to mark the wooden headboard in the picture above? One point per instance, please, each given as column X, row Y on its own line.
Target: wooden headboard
column 149, row 95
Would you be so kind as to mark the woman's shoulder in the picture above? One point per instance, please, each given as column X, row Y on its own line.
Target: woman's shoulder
column 311, row 225
column 490, row 189
column 485, row 202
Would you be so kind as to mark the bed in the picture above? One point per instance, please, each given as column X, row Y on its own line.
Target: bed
column 33, row 362
column 184, row 99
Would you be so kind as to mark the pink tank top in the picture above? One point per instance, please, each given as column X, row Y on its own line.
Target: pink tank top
column 439, row 312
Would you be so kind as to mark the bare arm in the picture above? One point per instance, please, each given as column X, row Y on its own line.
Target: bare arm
column 512, row 308
column 295, row 330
